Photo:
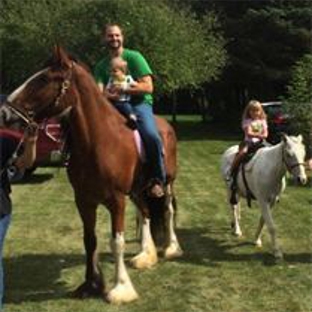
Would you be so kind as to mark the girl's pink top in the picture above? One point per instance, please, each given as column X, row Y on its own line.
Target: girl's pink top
column 258, row 126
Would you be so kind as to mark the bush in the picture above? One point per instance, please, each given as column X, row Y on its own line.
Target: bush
column 299, row 97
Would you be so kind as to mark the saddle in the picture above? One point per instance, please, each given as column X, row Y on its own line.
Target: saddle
column 246, row 165
column 139, row 145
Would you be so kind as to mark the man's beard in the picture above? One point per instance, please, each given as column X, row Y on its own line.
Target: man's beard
column 115, row 45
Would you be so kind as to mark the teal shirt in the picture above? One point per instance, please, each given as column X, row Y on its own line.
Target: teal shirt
column 137, row 68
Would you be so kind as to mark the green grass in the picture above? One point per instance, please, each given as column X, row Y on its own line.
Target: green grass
column 44, row 257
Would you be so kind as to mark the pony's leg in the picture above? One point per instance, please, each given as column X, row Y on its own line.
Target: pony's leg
column 258, row 241
column 236, row 220
column 148, row 254
column 94, row 283
column 236, row 215
column 173, row 249
column 123, row 290
column 268, row 219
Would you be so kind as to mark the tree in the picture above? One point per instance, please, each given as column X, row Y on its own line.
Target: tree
column 264, row 41
column 299, row 96
column 182, row 52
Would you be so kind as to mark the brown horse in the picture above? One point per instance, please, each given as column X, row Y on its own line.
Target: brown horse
column 104, row 167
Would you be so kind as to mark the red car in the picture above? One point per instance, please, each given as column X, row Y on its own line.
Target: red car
column 49, row 145
column 278, row 120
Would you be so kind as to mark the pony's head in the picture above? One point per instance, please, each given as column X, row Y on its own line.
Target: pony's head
column 294, row 157
column 45, row 93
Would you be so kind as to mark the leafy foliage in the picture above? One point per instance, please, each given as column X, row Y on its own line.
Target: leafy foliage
column 299, row 97
column 182, row 51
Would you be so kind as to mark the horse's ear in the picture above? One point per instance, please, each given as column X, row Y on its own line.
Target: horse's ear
column 300, row 138
column 60, row 57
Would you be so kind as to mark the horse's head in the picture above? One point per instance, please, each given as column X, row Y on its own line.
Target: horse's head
column 11, row 119
column 45, row 93
column 294, row 157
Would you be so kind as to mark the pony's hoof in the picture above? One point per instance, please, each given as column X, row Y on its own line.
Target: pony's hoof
column 87, row 290
column 279, row 257
column 258, row 243
column 144, row 260
column 122, row 293
column 173, row 251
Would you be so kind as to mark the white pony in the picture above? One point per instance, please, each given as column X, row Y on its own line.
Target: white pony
column 265, row 176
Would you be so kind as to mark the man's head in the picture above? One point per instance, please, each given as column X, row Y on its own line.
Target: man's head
column 113, row 38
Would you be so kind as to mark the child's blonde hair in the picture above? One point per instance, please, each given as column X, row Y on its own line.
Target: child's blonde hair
column 119, row 63
column 254, row 105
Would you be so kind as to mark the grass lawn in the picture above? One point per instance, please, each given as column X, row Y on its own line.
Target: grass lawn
column 44, row 256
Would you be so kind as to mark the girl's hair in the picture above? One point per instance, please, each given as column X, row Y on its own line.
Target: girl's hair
column 254, row 105
column 118, row 62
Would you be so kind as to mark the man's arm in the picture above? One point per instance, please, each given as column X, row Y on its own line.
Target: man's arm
column 144, row 85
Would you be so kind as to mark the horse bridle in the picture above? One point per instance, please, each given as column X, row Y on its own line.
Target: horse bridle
column 27, row 115
column 65, row 85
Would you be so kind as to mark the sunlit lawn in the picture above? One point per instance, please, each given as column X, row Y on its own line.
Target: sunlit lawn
column 44, row 257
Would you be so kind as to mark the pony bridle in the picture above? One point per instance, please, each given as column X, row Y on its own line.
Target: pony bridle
column 290, row 167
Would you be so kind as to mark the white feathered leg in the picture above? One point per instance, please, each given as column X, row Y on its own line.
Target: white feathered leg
column 123, row 290
column 173, row 249
column 148, row 255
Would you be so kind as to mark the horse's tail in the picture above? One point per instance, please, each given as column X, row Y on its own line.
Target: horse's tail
column 157, row 210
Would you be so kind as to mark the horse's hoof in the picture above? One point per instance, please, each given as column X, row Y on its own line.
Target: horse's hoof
column 122, row 293
column 238, row 234
column 144, row 260
column 87, row 290
column 173, row 251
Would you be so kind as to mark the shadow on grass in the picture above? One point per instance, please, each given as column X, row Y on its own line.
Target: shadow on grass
column 35, row 178
column 36, row 277
column 201, row 248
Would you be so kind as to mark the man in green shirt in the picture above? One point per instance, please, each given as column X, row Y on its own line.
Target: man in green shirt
column 141, row 100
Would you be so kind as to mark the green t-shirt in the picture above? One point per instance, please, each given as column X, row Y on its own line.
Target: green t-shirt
column 137, row 68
